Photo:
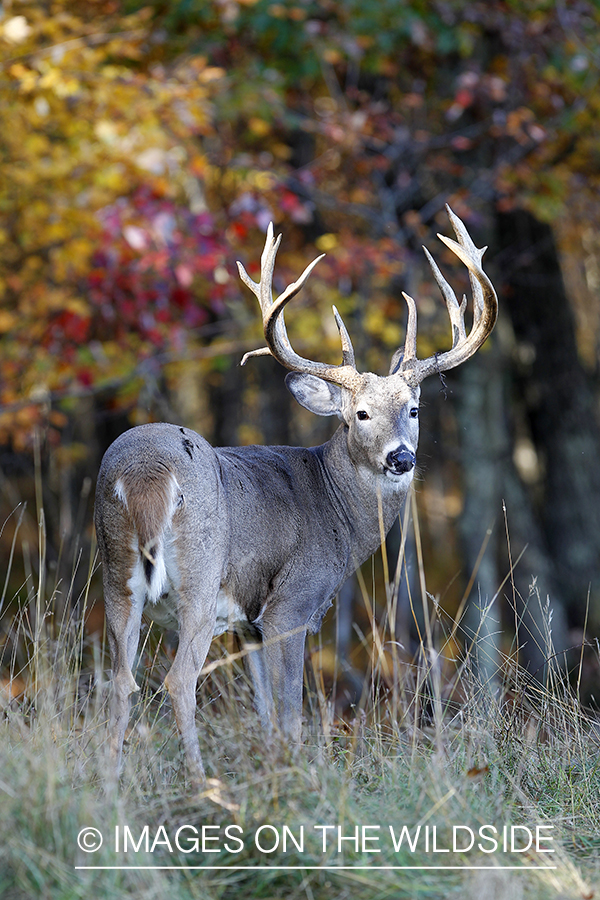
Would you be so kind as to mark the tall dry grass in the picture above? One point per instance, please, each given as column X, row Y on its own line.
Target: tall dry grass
column 444, row 739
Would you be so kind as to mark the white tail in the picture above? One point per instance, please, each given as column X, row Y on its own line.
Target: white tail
column 260, row 539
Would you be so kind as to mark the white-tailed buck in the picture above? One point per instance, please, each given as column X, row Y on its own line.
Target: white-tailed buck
column 259, row 539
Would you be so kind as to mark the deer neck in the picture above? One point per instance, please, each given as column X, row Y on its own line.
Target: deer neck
column 368, row 502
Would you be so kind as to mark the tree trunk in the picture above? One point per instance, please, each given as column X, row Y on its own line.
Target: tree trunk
column 481, row 417
column 560, row 405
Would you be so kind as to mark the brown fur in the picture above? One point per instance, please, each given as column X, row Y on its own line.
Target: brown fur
column 150, row 494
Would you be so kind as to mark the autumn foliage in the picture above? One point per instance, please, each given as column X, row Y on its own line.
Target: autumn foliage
column 142, row 150
column 145, row 148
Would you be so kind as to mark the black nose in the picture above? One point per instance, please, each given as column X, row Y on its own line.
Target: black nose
column 401, row 461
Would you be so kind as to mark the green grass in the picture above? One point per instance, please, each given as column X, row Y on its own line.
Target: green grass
column 428, row 746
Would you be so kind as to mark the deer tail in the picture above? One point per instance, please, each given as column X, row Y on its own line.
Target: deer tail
column 150, row 496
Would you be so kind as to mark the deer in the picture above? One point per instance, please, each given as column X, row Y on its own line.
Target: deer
column 259, row 539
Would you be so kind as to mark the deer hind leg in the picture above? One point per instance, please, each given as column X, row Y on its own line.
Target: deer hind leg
column 181, row 683
column 123, row 628
column 196, row 630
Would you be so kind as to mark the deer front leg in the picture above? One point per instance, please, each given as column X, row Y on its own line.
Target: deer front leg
column 257, row 669
column 283, row 655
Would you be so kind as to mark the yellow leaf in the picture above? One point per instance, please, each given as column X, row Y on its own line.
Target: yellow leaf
column 106, row 131
column 8, row 321
column 211, row 73
column 259, row 126
column 326, row 243
column 78, row 306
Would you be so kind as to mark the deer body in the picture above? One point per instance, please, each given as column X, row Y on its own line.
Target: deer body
column 259, row 539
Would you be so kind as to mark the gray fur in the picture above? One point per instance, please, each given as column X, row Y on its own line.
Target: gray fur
column 272, row 531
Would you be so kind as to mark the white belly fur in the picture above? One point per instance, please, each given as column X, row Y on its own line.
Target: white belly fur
column 228, row 613
column 164, row 612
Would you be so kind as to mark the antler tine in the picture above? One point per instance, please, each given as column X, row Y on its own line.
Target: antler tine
column 347, row 348
column 263, row 289
column 410, row 340
column 466, row 242
column 456, row 310
column 409, row 350
column 485, row 310
column 276, row 337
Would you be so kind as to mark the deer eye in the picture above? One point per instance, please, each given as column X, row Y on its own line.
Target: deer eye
column 363, row 415
column 414, row 413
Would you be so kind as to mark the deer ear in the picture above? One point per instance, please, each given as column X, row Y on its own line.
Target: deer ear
column 396, row 361
column 318, row 396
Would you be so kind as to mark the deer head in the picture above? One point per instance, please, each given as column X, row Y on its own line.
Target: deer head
column 380, row 413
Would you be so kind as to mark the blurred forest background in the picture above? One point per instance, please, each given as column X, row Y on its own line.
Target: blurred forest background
column 144, row 147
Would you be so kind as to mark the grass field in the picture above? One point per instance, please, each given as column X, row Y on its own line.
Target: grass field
column 429, row 750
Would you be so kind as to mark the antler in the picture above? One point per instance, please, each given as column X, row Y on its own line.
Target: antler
column 278, row 343
column 404, row 362
column 485, row 313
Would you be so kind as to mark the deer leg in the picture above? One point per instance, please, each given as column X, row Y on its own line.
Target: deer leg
column 258, row 672
column 123, row 630
column 194, row 641
column 284, row 660
column 257, row 667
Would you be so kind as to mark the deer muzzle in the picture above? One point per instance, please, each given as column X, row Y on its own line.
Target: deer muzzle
column 400, row 461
